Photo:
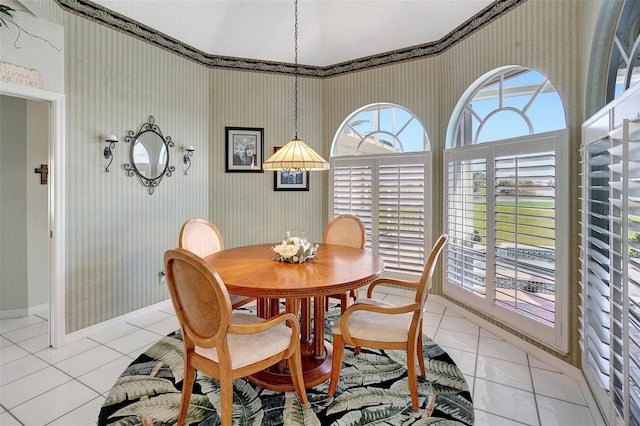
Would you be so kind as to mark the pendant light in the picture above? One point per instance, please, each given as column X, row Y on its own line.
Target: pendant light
column 296, row 155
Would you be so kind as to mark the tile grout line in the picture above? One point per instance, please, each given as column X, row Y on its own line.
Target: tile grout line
column 533, row 386
column 475, row 365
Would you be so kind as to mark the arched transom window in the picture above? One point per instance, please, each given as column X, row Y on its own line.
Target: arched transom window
column 509, row 102
column 380, row 129
column 624, row 65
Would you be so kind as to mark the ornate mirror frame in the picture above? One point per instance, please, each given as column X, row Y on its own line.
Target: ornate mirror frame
column 145, row 143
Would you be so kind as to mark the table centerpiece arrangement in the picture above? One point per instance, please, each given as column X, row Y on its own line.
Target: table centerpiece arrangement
column 295, row 249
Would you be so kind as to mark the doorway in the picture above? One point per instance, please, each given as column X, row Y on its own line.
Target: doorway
column 24, row 246
column 31, row 211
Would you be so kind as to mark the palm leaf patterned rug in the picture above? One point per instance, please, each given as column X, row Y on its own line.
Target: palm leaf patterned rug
column 373, row 389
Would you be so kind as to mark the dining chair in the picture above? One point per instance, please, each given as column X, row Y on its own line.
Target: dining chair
column 344, row 230
column 376, row 324
column 203, row 238
column 224, row 344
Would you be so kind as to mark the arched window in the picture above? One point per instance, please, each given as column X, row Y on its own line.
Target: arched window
column 505, row 103
column 380, row 129
column 379, row 163
column 506, row 206
column 624, row 63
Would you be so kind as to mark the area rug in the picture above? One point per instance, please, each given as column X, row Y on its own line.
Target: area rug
column 373, row 389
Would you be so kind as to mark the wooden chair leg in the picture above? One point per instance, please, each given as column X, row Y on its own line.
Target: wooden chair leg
column 411, row 374
column 226, row 402
column 295, row 367
column 187, row 385
column 420, row 356
column 336, row 366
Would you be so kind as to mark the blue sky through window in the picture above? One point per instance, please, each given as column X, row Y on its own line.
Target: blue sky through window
column 390, row 125
column 504, row 112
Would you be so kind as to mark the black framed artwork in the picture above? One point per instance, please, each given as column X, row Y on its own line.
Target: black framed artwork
column 290, row 181
column 244, row 149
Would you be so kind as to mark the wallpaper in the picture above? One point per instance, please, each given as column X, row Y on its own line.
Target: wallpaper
column 116, row 232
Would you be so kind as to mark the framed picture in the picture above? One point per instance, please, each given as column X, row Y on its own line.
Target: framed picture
column 290, row 181
column 244, row 149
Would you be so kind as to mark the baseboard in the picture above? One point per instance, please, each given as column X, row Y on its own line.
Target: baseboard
column 86, row 332
column 13, row 313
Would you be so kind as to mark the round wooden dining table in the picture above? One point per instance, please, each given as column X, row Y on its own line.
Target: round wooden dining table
column 251, row 271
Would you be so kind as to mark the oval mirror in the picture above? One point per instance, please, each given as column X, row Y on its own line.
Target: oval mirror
column 149, row 155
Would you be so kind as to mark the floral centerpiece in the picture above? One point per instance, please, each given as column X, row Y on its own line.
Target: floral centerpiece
column 295, row 250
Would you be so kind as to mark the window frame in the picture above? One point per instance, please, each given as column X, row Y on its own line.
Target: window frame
column 556, row 337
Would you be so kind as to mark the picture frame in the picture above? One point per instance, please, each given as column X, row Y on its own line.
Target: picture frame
column 244, row 149
column 290, row 181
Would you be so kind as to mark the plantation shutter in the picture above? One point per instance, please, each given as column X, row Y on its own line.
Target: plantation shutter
column 467, row 220
column 525, row 200
column 624, row 212
column 353, row 193
column 596, row 304
column 401, row 219
column 389, row 194
column 610, row 332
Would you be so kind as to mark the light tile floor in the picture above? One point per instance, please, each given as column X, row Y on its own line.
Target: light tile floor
column 66, row 386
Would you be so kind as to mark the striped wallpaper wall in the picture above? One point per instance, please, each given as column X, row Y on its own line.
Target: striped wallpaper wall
column 117, row 233
column 245, row 205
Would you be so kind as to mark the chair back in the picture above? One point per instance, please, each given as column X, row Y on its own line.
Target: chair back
column 345, row 230
column 200, row 237
column 199, row 298
column 430, row 265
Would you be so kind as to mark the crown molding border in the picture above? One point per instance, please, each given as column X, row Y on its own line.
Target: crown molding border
column 94, row 12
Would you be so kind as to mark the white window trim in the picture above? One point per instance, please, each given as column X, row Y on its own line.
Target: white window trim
column 556, row 338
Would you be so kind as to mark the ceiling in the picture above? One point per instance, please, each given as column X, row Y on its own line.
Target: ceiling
column 329, row 31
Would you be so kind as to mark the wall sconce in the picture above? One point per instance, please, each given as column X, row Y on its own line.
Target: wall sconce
column 188, row 153
column 111, row 141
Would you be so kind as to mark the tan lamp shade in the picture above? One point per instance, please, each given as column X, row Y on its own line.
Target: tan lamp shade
column 297, row 156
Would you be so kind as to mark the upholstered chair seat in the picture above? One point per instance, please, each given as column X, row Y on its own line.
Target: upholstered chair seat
column 368, row 325
column 246, row 349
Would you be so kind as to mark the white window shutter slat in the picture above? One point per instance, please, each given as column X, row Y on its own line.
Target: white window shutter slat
column 388, row 193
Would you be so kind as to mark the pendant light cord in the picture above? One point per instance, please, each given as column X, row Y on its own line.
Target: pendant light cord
column 295, row 90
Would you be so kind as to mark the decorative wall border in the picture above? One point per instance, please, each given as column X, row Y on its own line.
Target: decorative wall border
column 92, row 11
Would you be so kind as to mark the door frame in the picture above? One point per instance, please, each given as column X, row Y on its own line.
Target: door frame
column 56, row 197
